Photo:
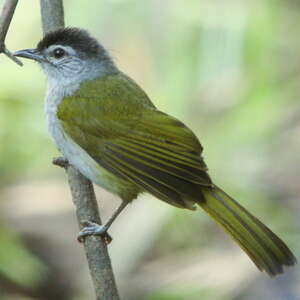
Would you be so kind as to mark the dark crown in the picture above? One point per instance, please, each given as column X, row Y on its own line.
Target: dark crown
column 76, row 38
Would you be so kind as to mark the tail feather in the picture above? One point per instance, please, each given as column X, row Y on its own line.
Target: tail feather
column 265, row 249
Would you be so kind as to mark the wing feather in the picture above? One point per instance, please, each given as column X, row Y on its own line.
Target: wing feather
column 136, row 142
column 152, row 186
column 178, row 169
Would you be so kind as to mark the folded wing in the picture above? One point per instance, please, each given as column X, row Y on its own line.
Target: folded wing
column 154, row 151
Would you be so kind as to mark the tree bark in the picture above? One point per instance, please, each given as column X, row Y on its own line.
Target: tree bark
column 7, row 13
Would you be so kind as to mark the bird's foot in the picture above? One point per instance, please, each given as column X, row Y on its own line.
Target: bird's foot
column 92, row 228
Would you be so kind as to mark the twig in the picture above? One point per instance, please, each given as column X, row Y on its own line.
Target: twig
column 96, row 250
column 82, row 190
column 5, row 19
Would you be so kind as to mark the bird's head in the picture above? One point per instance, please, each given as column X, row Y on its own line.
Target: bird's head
column 70, row 54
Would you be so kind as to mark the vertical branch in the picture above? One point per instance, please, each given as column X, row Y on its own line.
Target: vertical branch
column 96, row 250
column 82, row 190
column 52, row 13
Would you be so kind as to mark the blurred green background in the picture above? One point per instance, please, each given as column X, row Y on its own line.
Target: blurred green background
column 227, row 69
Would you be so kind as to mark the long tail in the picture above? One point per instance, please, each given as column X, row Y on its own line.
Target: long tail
column 266, row 250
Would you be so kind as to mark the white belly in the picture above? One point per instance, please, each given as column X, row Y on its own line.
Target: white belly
column 73, row 152
column 76, row 156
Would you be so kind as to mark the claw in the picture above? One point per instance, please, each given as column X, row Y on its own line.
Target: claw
column 92, row 228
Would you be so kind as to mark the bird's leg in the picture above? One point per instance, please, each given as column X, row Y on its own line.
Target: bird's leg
column 92, row 228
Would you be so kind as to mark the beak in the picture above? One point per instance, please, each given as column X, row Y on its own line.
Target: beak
column 33, row 54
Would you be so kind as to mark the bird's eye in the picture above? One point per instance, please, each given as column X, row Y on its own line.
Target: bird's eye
column 58, row 52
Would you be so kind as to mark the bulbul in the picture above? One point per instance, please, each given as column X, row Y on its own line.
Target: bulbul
column 106, row 126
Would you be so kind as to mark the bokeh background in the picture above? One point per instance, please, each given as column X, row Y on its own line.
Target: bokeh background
column 230, row 71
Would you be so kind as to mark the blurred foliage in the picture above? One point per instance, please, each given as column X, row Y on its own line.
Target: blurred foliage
column 229, row 70
column 16, row 263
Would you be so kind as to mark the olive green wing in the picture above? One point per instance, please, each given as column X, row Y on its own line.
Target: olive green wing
column 144, row 146
column 163, row 157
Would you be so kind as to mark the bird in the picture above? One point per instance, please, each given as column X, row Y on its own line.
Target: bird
column 106, row 126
